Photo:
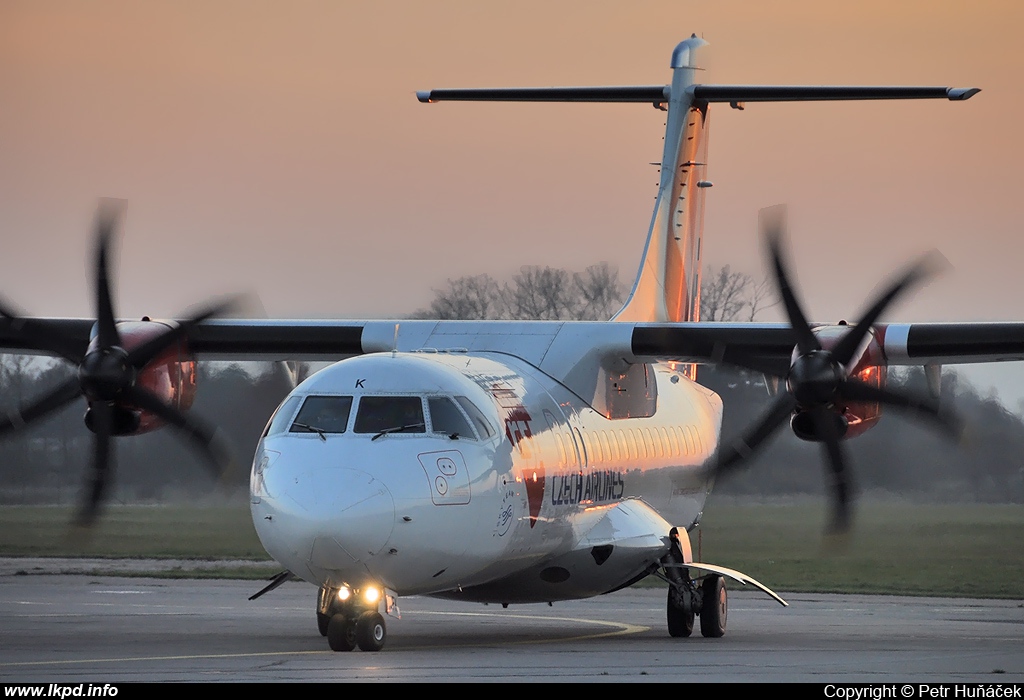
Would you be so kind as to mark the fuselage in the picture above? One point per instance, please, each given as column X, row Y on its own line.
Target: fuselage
column 478, row 476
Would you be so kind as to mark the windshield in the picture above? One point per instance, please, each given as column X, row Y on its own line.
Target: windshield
column 378, row 414
column 445, row 417
column 481, row 423
column 323, row 414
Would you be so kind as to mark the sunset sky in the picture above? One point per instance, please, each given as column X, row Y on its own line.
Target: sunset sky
column 278, row 148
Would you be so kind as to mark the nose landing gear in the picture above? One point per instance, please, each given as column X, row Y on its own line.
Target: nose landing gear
column 349, row 618
column 371, row 632
column 341, row 633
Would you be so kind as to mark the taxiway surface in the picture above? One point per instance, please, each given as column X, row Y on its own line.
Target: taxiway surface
column 88, row 628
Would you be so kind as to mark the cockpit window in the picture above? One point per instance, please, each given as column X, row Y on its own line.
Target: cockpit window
column 445, row 417
column 323, row 414
column 282, row 417
column 477, row 416
column 390, row 414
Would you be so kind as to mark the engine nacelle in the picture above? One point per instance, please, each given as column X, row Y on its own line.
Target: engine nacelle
column 869, row 367
column 171, row 376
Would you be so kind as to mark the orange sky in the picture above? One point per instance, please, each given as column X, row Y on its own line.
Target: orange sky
column 278, row 148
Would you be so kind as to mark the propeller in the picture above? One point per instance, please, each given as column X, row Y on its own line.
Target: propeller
column 819, row 378
column 107, row 374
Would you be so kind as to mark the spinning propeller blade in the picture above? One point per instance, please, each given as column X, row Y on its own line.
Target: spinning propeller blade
column 819, row 378
column 107, row 374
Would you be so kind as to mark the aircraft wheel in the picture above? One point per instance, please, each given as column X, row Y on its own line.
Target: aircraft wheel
column 322, row 622
column 341, row 633
column 371, row 632
column 716, row 607
column 680, row 622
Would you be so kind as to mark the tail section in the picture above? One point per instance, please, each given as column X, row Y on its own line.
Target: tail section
column 667, row 287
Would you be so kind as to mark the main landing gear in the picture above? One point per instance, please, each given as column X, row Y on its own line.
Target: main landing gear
column 349, row 617
column 688, row 598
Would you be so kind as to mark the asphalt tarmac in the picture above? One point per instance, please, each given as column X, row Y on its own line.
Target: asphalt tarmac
column 89, row 628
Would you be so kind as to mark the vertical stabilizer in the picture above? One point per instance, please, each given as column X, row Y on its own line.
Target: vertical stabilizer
column 667, row 286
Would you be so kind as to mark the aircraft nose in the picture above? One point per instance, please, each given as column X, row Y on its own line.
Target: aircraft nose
column 331, row 518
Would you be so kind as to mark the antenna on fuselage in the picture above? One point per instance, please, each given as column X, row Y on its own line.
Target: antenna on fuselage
column 394, row 343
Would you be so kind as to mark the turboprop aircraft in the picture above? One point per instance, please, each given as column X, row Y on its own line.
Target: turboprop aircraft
column 517, row 461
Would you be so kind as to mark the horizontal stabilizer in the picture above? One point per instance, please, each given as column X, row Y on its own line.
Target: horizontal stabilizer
column 703, row 93
column 623, row 93
column 801, row 93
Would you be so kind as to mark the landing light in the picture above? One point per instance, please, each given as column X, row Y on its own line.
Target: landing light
column 344, row 593
column 371, row 595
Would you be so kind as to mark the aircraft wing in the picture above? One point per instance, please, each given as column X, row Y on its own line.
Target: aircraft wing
column 545, row 342
column 231, row 339
column 902, row 343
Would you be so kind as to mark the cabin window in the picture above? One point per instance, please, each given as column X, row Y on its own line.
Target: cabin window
column 445, row 417
column 573, row 451
column 694, row 439
column 673, row 444
column 677, row 440
column 323, row 414
column 641, row 449
column 649, row 440
column 584, row 452
column 561, row 450
column 593, row 449
column 392, row 414
column 477, row 416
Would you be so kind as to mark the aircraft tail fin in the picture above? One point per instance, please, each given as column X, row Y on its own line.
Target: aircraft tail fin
column 667, row 286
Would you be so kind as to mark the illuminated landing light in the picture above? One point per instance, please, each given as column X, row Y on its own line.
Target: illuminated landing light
column 371, row 595
column 344, row 593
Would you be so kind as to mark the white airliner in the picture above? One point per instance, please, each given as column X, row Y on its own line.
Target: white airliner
column 516, row 461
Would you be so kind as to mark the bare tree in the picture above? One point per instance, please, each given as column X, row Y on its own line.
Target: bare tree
column 465, row 298
column 726, row 295
column 540, row 293
column 550, row 294
column 762, row 296
column 600, row 292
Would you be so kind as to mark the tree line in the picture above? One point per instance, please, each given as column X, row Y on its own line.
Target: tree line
column 595, row 294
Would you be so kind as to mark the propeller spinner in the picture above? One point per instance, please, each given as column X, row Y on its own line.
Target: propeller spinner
column 820, row 379
column 108, row 376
